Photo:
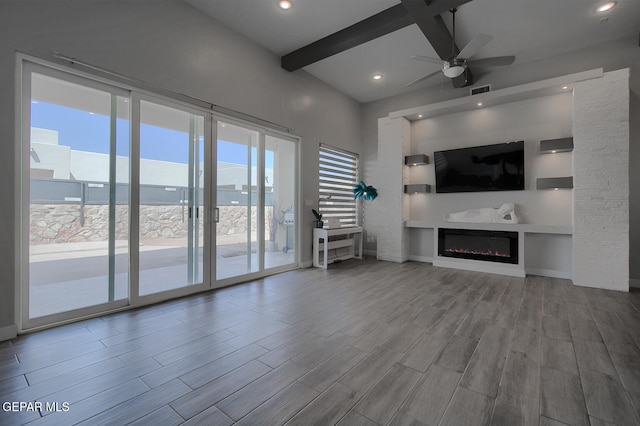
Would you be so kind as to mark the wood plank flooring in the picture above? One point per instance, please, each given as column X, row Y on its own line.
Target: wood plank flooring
column 364, row 342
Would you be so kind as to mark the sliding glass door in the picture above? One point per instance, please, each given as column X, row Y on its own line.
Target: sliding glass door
column 171, row 197
column 237, row 191
column 129, row 198
column 77, row 138
column 256, row 201
column 280, row 248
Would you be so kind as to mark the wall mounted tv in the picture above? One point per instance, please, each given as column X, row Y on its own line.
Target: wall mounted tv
column 497, row 167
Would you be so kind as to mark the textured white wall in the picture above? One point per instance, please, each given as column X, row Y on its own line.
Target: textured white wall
column 601, row 182
column 392, row 205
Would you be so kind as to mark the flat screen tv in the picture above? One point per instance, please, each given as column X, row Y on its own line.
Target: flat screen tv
column 497, row 167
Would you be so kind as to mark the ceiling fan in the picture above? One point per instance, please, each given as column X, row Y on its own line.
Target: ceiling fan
column 456, row 65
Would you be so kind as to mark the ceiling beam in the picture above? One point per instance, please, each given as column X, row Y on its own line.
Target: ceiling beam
column 433, row 28
column 378, row 25
column 375, row 26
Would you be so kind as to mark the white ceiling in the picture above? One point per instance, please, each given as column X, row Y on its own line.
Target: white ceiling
column 530, row 29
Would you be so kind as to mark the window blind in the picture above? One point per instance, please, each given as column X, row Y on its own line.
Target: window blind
column 338, row 174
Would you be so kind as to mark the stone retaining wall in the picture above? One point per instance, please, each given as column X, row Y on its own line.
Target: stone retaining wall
column 62, row 223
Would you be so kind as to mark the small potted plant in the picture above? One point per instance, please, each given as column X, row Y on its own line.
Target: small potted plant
column 319, row 222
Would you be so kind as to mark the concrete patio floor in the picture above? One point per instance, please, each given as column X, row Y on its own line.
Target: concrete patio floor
column 71, row 276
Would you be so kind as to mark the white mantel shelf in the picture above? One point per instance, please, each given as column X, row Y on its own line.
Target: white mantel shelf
column 519, row 227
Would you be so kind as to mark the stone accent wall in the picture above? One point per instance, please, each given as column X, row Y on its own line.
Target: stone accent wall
column 601, row 182
column 61, row 223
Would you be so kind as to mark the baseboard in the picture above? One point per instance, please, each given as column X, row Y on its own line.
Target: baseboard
column 8, row 332
column 634, row 283
column 552, row 273
column 425, row 259
column 479, row 266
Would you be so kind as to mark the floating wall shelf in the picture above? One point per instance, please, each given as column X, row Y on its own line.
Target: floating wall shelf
column 416, row 160
column 553, row 146
column 417, row 188
column 555, row 183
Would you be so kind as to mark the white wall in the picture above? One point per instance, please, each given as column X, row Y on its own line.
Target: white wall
column 170, row 44
column 531, row 120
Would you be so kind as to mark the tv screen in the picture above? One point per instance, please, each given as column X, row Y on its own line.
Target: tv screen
column 497, row 167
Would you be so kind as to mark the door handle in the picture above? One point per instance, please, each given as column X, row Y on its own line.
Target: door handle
column 216, row 215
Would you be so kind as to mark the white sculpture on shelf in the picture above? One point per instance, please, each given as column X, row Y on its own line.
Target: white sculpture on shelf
column 504, row 214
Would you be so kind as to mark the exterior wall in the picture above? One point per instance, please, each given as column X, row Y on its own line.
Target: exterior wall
column 61, row 223
column 601, row 182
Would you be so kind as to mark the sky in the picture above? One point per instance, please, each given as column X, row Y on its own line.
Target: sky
column 84, row 131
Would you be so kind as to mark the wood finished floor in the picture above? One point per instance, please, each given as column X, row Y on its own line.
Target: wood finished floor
column 364, row 343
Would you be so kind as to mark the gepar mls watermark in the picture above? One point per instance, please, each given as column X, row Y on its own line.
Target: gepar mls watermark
column 39, row 406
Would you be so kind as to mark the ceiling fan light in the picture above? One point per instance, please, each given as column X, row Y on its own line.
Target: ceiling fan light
column 606, row 6
column 453, row 71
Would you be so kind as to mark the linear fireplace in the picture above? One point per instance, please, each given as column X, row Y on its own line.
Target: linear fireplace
column 491, row 246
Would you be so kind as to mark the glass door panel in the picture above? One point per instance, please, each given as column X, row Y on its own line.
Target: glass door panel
column 171, row 198
column 78, row 195
column 237, row 199
column 280, row 202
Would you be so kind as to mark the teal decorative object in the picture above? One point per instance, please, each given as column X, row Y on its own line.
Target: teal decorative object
column 361, row 190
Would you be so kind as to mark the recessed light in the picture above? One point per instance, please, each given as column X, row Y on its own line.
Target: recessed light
column 284, row 4
column 554, row 151
column 565, row 87
column 377, row 77
column 419, row 115
column 606, row 6
column 479, row 103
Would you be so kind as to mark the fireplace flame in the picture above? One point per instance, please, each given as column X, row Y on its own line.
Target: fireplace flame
column 488, row 252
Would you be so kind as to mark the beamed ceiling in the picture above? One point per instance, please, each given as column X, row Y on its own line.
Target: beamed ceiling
column 345, row 43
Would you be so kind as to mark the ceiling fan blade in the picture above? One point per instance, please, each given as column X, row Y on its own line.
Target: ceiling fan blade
column 474, row 45
column 496, row 61
column 427, row 59
column 423, row 78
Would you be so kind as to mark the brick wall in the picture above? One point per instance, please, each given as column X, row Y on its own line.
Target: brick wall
column 601, row 182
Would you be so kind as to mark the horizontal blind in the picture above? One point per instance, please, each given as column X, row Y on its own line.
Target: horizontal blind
column 338, row 174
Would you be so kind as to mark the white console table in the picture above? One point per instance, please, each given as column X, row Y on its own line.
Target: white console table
column 352, row 236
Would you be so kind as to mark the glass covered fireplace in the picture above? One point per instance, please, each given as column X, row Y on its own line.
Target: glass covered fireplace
column 491, row 246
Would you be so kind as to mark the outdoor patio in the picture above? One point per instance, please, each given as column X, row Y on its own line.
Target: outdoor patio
column 73, row 275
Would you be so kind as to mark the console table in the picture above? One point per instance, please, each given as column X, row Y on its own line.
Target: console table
column 350, row 236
